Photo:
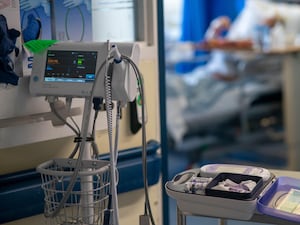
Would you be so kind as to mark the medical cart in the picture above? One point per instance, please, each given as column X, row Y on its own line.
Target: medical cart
column 274, row 199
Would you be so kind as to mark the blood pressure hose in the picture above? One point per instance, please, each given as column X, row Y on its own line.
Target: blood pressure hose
column 112, row 148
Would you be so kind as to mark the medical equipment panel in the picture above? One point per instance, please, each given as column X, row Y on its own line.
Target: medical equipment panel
column 71, row 68
column 51, row 66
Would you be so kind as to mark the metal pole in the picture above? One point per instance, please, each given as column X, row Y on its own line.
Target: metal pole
column 86, row 184
column 181, row 218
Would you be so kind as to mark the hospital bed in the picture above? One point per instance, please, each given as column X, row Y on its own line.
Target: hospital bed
column 212, row 113
column 208, row 106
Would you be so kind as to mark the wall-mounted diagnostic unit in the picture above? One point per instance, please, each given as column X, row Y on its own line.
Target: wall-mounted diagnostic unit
column 71, row 68
column 86, row 70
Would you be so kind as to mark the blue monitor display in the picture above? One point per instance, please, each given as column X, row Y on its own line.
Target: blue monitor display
column 70, row 66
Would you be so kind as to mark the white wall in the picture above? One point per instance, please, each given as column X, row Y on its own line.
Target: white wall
column 173, row 19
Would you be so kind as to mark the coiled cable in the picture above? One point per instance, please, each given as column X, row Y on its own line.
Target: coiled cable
column 112, row 148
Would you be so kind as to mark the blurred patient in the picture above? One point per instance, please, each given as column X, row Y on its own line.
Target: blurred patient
column 211, row 93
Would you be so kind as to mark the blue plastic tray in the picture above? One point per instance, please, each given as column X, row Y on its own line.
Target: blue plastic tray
column 276, row 193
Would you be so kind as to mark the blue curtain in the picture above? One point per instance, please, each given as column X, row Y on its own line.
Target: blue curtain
column 197, row 15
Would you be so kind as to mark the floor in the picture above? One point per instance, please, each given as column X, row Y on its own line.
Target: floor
column 270, row 156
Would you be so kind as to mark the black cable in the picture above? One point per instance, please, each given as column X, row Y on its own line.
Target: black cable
column 94, row 144
column 97, row 102
column 75, row 150
column 76, row 125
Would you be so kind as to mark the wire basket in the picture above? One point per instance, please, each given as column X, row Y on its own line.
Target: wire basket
column 76, row 192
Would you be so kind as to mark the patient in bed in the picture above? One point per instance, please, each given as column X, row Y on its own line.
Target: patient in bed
column 211, row 94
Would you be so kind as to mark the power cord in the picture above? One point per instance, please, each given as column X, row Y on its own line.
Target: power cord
column 97, row 106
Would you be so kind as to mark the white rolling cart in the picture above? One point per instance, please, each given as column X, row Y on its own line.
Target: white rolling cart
column 260, row 205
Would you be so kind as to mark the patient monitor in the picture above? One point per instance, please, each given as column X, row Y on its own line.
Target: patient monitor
column 71, row 69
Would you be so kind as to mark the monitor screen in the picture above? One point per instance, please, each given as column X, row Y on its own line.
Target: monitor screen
column 70, row 66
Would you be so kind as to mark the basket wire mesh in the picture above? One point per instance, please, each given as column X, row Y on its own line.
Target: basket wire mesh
column 88, row 198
